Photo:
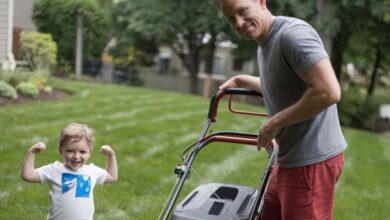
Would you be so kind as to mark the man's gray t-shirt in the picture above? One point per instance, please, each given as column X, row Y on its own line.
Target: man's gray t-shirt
column 291, row 47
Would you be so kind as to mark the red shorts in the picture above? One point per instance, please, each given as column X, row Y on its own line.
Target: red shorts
column 303, row 193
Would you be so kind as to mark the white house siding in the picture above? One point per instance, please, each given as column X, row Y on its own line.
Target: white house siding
column 23, row 10
column 3, row 30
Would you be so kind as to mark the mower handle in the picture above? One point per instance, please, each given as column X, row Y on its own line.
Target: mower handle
column 231, row 137
column 213, row 109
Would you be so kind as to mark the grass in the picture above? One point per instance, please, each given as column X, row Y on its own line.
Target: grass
column 148, row 130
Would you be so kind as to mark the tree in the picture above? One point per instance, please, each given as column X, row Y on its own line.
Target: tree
column 379, row 26
column 370, row 42
column 183, row 25
column 340, row 21
column 58, row 18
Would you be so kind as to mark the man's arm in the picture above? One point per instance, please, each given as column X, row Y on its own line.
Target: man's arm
column 323, row 90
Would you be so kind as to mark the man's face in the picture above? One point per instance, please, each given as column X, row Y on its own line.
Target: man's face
column 245, row 17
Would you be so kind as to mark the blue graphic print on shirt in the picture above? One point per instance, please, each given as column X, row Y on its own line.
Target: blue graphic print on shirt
column 82, row 184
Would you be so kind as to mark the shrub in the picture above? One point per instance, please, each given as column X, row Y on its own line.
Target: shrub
column 356, row 110
column 5, row 75
column 6, row 90
column 14, row 77
column 18, row 77
column 28, row 89
column 40, row 79
column 48, row 89
column 38, row 49
column 63, row 70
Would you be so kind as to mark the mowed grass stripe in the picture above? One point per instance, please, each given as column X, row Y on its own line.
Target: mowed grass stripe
column 82, row 111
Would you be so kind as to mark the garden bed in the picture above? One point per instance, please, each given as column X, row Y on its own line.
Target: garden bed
column 55, row 94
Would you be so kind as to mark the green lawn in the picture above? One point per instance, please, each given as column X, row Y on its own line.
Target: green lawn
column 148, row 129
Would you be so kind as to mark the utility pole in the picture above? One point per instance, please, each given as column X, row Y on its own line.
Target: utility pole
column 79, row 43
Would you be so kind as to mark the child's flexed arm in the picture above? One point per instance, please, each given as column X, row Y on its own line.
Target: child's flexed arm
column 112, row 168
column 29, row 173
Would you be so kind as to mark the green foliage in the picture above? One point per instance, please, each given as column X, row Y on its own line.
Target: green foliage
column 8, row 91
column 134, row 78
column 58, row 18
column 369, row 43
column 182, row 25
column 40, row 79
column 15, row 77
column 84, row 78
column 23, row 80
column 5, row 75
column 38, row 49
column 63, row 70
column 356, row 110
column 295, row 8
column 28, row 89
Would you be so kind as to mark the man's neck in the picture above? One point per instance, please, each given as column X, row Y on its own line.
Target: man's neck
column 267, row 26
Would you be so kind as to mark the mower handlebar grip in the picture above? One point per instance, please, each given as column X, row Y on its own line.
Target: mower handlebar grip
column 213, row 108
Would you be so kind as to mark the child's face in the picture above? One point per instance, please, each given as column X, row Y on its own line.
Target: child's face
column 75, row 154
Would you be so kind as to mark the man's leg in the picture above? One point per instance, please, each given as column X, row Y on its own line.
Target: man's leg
column 308, row 192
column 271, row 209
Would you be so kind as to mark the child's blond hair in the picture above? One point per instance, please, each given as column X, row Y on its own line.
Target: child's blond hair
column 75, row 132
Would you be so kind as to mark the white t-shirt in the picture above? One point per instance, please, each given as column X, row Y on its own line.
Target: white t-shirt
column 71, row 193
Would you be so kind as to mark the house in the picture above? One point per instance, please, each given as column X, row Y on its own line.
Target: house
column 6, row 28
column 170, row 73
column 224, row 64
column 15, row 16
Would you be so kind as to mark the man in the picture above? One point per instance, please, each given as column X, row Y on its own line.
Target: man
column 300, row 94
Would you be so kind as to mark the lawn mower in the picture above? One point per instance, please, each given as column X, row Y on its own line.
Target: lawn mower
column 218, row 201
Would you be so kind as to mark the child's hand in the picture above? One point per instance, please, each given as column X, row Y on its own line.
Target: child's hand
column 107, row 150
column 38, row 148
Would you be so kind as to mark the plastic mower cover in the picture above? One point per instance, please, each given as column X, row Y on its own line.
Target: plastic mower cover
column 215, row 201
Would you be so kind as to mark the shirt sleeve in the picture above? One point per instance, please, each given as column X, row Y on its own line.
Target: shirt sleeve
column 45, row 173
column 99, row 173
column 302, row 47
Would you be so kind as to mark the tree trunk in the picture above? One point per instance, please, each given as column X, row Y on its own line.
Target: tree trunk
column 190, row 60
column 193, row 64
column 209, row 55
column 209, row 60
column 79, row 43
column 207, row 84
column 374, row 74
column 107, row 61
column 194, row 69
column 339, row 45
column 323, row 9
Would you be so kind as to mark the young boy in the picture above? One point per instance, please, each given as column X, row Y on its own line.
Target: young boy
column 71, row 182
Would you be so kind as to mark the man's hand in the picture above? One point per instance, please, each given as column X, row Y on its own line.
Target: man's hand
column 230, row 83
column 267, row 133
